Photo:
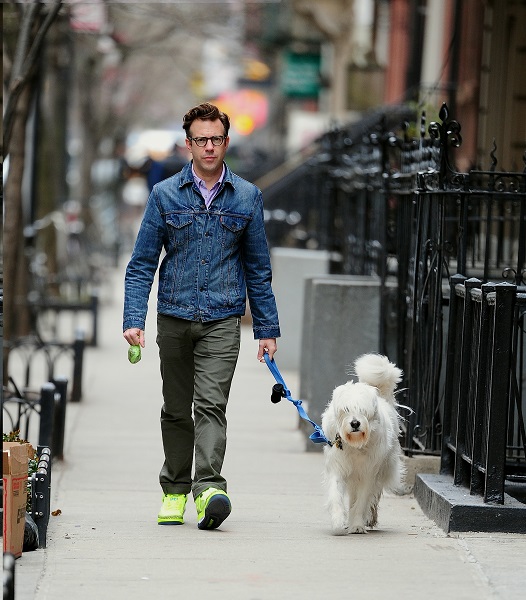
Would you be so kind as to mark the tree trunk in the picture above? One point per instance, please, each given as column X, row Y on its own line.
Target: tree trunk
column 90, row 136
column 16, row 272
column 51, row 164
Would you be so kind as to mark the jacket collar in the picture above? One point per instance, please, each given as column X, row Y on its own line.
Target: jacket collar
column 187, row 176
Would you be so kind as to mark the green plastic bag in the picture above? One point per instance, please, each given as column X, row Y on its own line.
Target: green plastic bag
column 134, row 354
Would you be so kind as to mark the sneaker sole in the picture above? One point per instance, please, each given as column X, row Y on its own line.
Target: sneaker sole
column 169, row 522
column 216, row 512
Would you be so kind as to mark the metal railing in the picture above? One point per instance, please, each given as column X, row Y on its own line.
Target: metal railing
column 390, row 204
column 49, row 406
column 31, row 355
column 478, row 375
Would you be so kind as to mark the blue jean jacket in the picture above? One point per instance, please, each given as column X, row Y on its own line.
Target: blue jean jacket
column 213, row 257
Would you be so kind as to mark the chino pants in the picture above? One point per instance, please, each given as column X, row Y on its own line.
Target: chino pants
column 197, row 365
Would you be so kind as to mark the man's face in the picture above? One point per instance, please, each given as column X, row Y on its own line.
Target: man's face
column 208, row 160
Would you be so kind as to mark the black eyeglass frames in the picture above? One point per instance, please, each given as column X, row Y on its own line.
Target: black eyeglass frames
column 217, row 140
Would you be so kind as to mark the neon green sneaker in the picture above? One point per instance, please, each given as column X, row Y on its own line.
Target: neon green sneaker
column 172, row 510
column 213, row 507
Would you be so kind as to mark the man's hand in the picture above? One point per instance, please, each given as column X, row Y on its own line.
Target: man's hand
column 269, row 346
column 134, row 337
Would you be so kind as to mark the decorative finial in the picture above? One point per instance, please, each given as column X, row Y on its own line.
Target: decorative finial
column 444, row 112
column 493, row 157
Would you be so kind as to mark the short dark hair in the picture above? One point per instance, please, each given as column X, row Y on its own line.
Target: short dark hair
column 205, row 112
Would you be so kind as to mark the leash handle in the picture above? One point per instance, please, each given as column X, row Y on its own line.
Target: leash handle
column 318, row 437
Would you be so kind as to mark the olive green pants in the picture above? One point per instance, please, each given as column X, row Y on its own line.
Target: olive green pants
column 197, row 365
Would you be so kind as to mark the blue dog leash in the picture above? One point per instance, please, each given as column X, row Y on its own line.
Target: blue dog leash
column 280, row 390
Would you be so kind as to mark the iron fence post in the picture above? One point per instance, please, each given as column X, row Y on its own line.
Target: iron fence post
column 61, row 384
column 94, row 301
column 481, row 360
column 461, row 473
column 47, row 411
column 499, row 392
column 78, row 359
column 446, row 461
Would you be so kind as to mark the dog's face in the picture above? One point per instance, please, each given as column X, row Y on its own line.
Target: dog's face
column 354, row 407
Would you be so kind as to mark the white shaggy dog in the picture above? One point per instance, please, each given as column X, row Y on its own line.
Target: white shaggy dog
column 365, row 457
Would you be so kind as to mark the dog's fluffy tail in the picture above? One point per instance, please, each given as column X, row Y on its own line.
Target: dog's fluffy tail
column 376, row 370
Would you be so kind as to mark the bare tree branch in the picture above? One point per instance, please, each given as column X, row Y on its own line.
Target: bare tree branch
column 24, row 37
column 22, row 63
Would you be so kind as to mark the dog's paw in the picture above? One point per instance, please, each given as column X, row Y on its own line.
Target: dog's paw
column 358, row 529
column 340, row 530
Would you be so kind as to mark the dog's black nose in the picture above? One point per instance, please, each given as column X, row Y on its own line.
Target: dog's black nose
column 355, row 424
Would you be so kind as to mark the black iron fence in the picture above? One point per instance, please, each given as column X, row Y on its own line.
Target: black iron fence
column 479, row 400
column 388, row 203
column 38, row 417
column 31, row 359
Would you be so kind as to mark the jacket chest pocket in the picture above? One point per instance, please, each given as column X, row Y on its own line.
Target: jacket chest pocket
column 232, row 229
column 179, row 228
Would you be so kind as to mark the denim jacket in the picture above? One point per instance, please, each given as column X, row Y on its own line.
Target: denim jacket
column 212, row 257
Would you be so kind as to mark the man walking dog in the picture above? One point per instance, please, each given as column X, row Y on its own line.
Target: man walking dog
column 210, row 224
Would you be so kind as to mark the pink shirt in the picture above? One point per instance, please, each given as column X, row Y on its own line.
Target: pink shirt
column 208, row 195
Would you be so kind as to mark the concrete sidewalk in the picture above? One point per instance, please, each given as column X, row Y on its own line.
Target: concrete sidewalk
column 106, row 543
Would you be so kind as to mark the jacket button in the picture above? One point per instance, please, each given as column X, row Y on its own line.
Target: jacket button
column 203, row 262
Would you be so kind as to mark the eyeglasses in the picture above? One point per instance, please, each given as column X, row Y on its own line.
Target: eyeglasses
column 216, row 140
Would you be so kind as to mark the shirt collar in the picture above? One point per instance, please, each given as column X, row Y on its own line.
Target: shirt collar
column 201, row 183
